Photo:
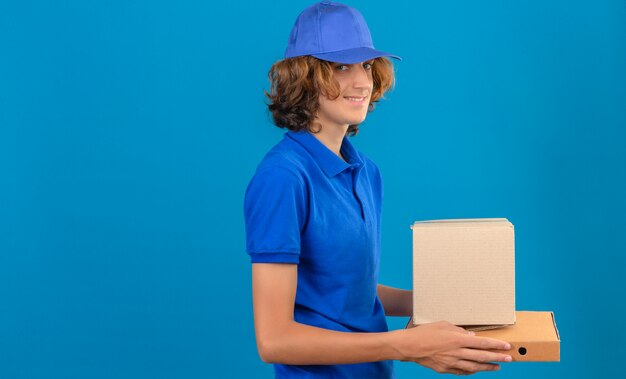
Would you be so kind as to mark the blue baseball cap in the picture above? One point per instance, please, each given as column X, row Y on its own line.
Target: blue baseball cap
column 332, row 32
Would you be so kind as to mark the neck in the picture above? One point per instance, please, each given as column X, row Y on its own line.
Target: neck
column 332, row 137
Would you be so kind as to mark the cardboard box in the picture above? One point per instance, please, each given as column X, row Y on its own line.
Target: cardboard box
column 534, row 337
column 464, row 271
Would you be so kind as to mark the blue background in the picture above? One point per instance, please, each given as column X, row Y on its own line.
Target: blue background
column 130, row 129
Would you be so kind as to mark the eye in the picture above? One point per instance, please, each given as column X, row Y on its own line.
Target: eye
column 344, row 67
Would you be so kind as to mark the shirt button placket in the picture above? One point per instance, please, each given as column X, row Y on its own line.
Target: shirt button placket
column 356, row 170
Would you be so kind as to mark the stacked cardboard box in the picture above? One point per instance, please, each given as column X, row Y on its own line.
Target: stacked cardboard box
column 534, row 337
column 464, row 273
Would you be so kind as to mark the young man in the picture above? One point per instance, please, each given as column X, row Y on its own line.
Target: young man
column 313, row 211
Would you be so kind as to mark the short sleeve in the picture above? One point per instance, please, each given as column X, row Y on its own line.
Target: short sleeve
column 275, row 214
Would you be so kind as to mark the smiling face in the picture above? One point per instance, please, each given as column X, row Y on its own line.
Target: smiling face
column 350, row 108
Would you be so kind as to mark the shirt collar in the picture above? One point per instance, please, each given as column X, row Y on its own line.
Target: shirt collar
column 330, row 163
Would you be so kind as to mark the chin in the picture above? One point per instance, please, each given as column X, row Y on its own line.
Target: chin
column 355, row 120
column 358, row 121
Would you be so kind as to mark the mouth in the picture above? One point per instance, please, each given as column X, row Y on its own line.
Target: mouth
column 355, row 100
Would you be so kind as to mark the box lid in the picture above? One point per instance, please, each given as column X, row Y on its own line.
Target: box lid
column 534, row 337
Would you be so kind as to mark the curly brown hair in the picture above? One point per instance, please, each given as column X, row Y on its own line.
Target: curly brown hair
column 296, row 84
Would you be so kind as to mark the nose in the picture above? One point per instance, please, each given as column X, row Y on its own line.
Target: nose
column 361, row 77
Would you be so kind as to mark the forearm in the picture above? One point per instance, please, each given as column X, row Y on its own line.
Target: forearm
column 300, row 344
column 441, row 346
column 397, row 302
column 280, row 339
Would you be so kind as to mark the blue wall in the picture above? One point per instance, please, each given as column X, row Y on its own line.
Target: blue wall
column 129, row 130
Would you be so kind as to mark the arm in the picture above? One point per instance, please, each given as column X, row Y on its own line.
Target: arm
column 397, row 302
column 280, row 339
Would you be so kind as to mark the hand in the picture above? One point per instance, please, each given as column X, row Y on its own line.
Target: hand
column 447, row 348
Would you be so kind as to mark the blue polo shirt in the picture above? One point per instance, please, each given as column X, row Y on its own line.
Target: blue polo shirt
column 306, row 206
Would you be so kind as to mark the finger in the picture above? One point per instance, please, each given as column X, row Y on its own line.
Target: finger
column 456, row 328
column 473, row 367
column 463, row 330
column 452, row 370
column 458, row 372
column 485, row 343
column 483, row 356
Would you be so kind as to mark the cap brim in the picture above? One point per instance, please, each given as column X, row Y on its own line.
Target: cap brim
column 350, row 56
